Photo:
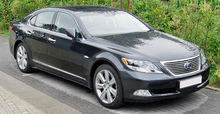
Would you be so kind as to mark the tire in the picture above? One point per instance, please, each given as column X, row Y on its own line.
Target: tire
column 23, row 58
column 108, row 90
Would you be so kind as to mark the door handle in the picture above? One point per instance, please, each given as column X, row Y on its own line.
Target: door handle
column 29, row 32
column 52, row 40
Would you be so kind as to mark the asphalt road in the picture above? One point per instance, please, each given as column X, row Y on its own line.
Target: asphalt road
column 202, row 102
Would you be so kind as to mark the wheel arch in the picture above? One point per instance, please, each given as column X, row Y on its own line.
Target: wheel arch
column 15, row 47
column 110, row 60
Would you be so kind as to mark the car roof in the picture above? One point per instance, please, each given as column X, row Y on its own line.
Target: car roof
column 88, row 8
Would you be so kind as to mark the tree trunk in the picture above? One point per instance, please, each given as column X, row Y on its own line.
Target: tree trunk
column 112, row 3
column 121, row 4
column 128, row 5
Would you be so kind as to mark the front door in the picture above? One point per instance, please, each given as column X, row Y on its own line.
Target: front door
column 65, row 55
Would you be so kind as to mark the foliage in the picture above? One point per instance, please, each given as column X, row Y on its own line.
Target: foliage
column 195, row 22
column 5, row 14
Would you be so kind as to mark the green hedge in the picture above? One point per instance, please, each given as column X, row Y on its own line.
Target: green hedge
column 195, row 22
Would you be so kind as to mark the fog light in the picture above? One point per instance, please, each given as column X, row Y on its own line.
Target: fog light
column 142, row 93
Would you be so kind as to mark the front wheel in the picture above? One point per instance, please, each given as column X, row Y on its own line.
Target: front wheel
column 107, row 87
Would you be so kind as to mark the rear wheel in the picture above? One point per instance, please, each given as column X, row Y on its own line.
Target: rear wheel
column 107, row 87
column 22, row 58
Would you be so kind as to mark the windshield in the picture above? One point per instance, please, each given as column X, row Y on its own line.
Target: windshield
column 111, row 22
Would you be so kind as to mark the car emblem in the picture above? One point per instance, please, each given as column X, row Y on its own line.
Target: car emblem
column 187, row 65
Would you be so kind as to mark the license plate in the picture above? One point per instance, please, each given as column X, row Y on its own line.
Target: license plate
column 190, row 82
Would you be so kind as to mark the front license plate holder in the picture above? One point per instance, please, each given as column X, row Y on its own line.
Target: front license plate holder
column 190, row 81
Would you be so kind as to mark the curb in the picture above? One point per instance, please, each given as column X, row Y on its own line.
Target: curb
column 213, row 88
column 35, row 102
column 3, row 35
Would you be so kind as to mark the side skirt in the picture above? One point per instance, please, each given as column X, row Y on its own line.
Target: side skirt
column 60, row 73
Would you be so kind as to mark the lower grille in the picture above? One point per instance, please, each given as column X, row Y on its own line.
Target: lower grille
column 164, row 91
column 180, row 67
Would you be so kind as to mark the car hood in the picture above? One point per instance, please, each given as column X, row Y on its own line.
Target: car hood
column 152, row 45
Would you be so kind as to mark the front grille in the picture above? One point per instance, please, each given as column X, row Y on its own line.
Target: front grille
column 178, row 67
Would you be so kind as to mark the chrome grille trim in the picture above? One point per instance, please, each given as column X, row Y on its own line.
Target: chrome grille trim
column 175, row 67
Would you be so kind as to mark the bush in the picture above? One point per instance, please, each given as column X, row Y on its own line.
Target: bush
column 195, row 22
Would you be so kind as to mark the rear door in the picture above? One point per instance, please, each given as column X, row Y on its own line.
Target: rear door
column 65, row 55
column 38, row 33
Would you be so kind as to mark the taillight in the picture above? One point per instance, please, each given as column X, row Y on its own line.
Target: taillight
column 10, row 28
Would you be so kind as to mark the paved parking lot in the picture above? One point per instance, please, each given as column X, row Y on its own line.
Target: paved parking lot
column 202, row 102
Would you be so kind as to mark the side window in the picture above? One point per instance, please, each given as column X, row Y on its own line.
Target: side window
column 44, row 20
column 32, row 21
column 64, row 21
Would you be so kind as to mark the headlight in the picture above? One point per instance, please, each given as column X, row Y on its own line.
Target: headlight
column 141, row 66
column 203, row 58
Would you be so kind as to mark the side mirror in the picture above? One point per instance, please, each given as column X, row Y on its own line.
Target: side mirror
column 72, row 33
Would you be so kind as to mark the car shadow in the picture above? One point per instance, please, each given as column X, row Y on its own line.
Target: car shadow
column 175, row 105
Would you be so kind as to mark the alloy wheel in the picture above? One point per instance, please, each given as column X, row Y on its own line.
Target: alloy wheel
column 106, row 87
column 22, row 58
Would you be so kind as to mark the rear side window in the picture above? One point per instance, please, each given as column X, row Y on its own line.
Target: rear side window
column 44, row 20
column 64, row 21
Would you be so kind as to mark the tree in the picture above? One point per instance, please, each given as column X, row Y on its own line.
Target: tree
column 128, row 5
column 112, row 3
column 122, row 4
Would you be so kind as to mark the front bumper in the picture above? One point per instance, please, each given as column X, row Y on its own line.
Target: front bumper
column 161, row 86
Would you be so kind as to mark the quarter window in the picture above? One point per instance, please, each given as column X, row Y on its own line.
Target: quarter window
column 32, row 22
column 44, row 20
column 64, row 21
